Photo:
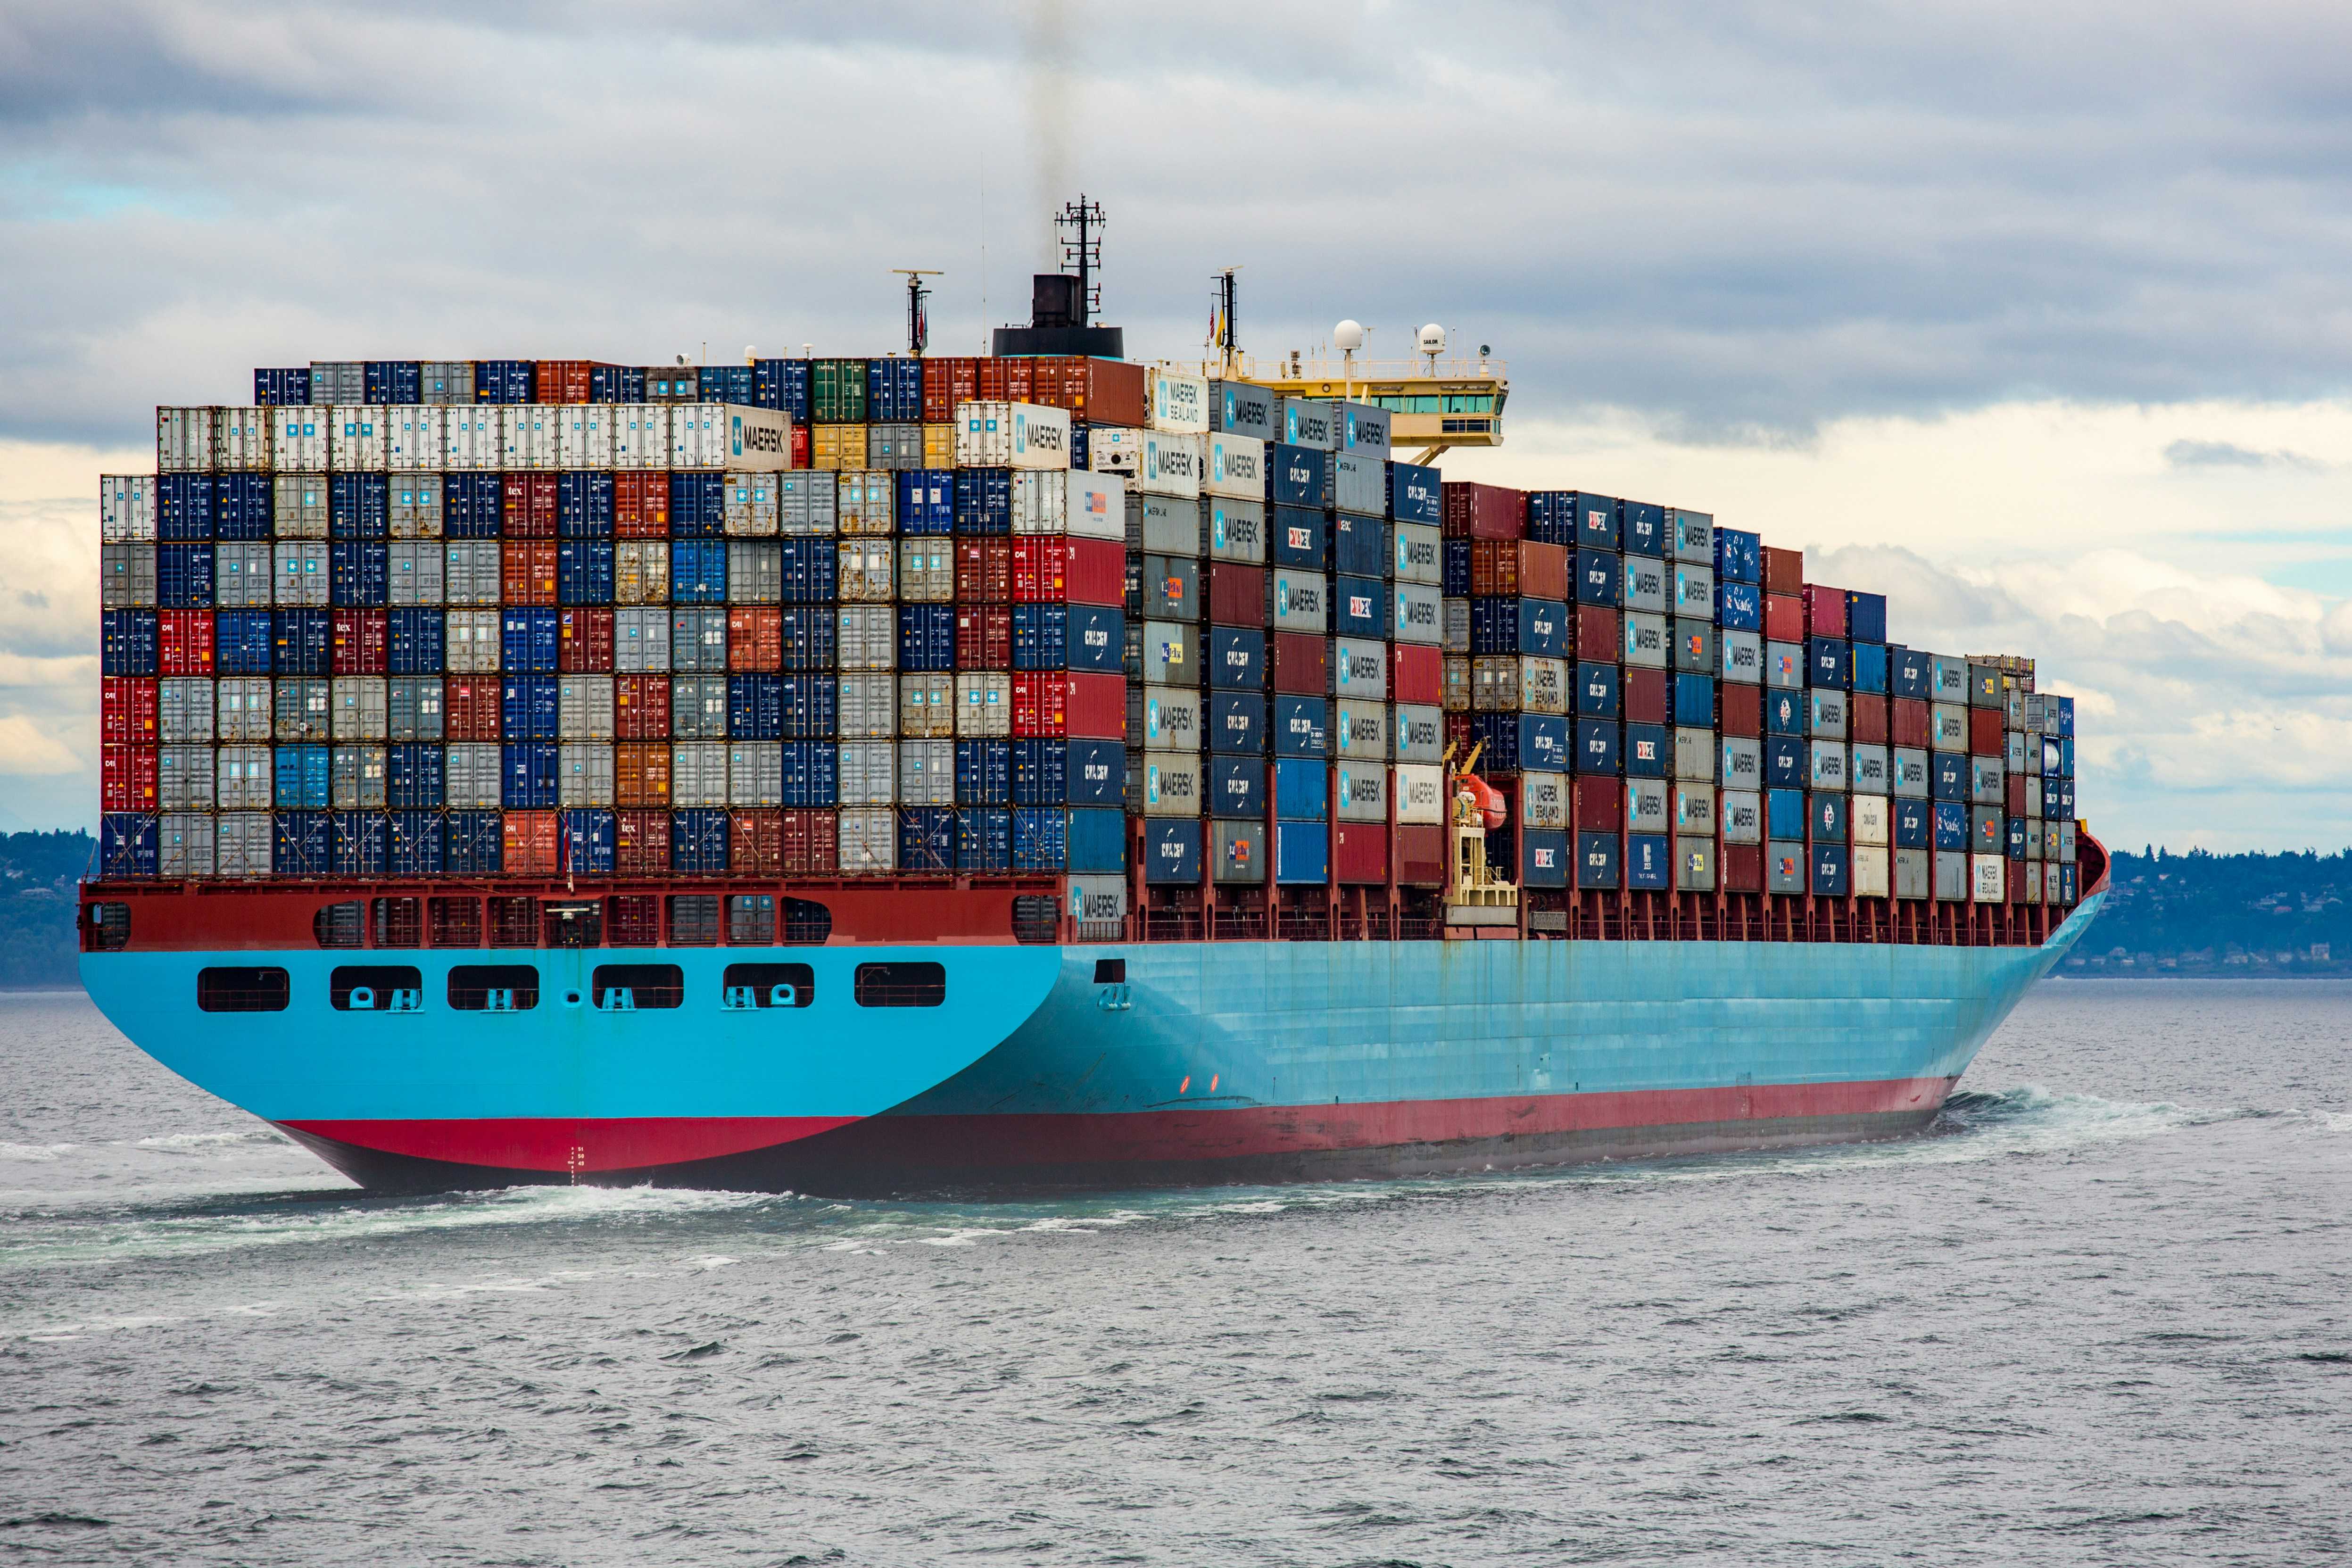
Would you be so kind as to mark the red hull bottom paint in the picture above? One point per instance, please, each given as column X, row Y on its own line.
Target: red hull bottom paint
column 901, row 1153
column 562, row 1146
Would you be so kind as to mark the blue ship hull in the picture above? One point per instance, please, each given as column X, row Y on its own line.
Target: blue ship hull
column 1045, row 1065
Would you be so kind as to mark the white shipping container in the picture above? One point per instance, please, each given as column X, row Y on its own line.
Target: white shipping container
column 641, row 638
column 1419, row 793
column 298, row 439
column 471, row 774
column 927, row 709
column 1176, row 403
column 1741, row 811
column 297, row 506
column 1695, row 810
column 583, row 774
column 470, row 440
column 865, row 573
column 241, row 845
column 243, row 778
column 184, row 778
column 1011, row 436
column 301, row 576
column 1454, row 633
column 184, row 440
column 583, row 708
column 864, row 501
column 126, row 509
column 1417, row 733
column 1170, row 464
column 983, row 705
column 1237, row 467
column 415, row 568
column 869, row 773
column 1360, row 731
column 415, row 503
column 1419, row 614
column 470, row 641
column 412, row 440
column 1113, row 448
column 1095, row 507
column 530, row 437
column 242, row 709
column 755, row 775
column 241, row 441
column 362, row 707
column 1165, row 717
column 1361, row 787
column 640, row 435
column 1041, row 503
column 869, row 707
column 356, row 438
column 698, row 772
column 183, row 710
column 1165, row 783
column 926, row 571
column 750, row 505
column 583, row 435
column 1871, row 872
column 185, row 844
column 730, row 437
column 1420, row 558
column 641, row 573
column 868, row 637
column 471, row 571
column 1544, row 799
column 1988, row 878
column 927, row 773
column 1645, row 646
column 867, row 842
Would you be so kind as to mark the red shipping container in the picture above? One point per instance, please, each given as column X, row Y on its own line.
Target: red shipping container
column 566, row 381
column 800, row 446
column 755, row 843
column 1824, row 611
column 641, row 844
column 1784, row 617
column 641, row 706
column 1004, row 380
column 1743, row 868
column 1055, row 569
column 948, row 380
column 1302, row 664
column 586, row 642
column 984, row 638
column 470, row 706
column 1040, row 706
column 1508, row 568
column 983, row 570
column 1866, row 719
column 362, row 642
column 2014, row 788
column 1416, row 673
column 534, row 846
column 1909, row 722
column 755, row 638
column 641, row 773
column 126, row 710
column 1103, row 391
column 1237, row 594
column 810, row 839
column 184, row 642
column 1644, row 696
column 1984, row 733
column 1360, row 852
column 1739, row 709
column 1600, row 803
column 1457, row 735
column 1096, row 706
column 641, row 506
column 1596, row 633
column 1421, row 855
column 1784, row 571
column 529, row 509
column 126, row 777
column 2013, row 883
column 1484, row 511
column 527, row 571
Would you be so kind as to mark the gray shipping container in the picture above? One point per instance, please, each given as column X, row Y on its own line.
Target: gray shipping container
column 2066, row 841
column 1910, row 772
column 1694, row 865
column 755, row 775
column 807, row 501
column 356, row 778
column 1827, row 713
column 697, row 708
column 1360, row 732
column 1544, row 800
column 471, row 569
column 1740, row 655
column 470, row 642
column 1172, row 589
column 927, row 773
column 1171, row 653
column 1297, row 600
column 1360, row 787
column 301, row 709
column 1236, row 851
column 1420, row 617
column 243, row 778
column 334, row 381
column 1691, row 535
column 755, row 572
column 298, row 504
column 926, row 710
column 641, row 640
column 443, row 381
column 926, row 571
column 1987, row 781
column 412, row 708
column 1784, row 666
column 1825, row 765
column 869, row 637
column 1694, row 811
column 1694, row 756
column 414, row 567
column 1870, row 769
column 1164, row 717
column 866, row 502
column 184, row 778
column 1416, row 553
column 698, row 640
column 1646, row 806
column 583, row 708
column 1643, row 584
column 416, row 501
column 1359, row 670
column 301, row 576
column 1914, row 873
column 895, row 446
column 1243, row 409
column 1743, row 766
column 362, row 707
column 242, row 843
column 183, row 710
column 242, row 575
column 1785, row 865
column 1233, row 529
column 1741, row 811
column 1420, row 732
column 183, row 843
column 1163, row 525
column 867, row 842
column 869, row 707
column 1099, row 906
column 126, row 578
column 1694, row 591
column 1360, row 483
column 868, row 773
column 1694, row 647
column 471, row 772
column 126, row 509
column 749, row 506
column 1645, row 645
column 242, row 710
column 697, row 773
column 1951, row 877
column 1947, row 727
column 984, row 708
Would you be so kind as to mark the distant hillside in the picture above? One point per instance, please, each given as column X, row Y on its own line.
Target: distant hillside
column 2222, row 915
column 38, row 872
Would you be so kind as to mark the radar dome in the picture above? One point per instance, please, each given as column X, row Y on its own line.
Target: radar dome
column 1433, row 339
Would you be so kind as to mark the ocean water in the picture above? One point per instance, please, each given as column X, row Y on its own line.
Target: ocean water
column 2102, row 1314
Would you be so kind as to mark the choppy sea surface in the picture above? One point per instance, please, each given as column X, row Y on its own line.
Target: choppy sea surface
column 2102, row 1314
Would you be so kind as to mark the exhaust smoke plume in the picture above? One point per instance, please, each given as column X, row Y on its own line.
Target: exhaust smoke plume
column 1053, row 87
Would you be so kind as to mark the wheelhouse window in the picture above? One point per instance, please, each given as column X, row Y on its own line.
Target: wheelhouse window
column 623, row 988
column 494, row 987
column 241, row 990
column 910, row 984
column 769, row 985
column 376, row 988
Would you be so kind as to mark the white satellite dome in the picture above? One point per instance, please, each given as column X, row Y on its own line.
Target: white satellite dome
column 1347, row 336
column 1433, row 339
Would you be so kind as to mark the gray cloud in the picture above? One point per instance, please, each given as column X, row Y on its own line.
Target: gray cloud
column 2185, row 454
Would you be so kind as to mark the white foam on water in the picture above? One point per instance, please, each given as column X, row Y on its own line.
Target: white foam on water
column 36, row 1153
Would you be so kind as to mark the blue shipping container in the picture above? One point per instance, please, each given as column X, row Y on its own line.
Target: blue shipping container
column 278, row 388
column 698, row 506
column 927, row 637
column 1360, row 608
column 1649, row 866
column 984, row 772
column 698, row 842
column 503, row 381
column 1739, row 556
column 1596, row 860
column 473, row 843
column 358, row 506
column 1171, row 852
column 1415, row 494
column 811, row 772
column 1647, row 751
column 1784, row 814
column 1948, row 775
column 1041, row 838
column 183, row 507
column 1360, row 546
column 781, row 384
column 1302, row 853
column 1293, row 475
column 418, row 642
column 1236, row 658
column 531, row 641
column 416, row 844
column 1237, row 723
column 1869, row 667
column 926, row 838
column 1596, row 747
column 584, row 505
column 301, row 642
column 1866, row 616
column 698, row 570
column 127, row 844
column 359, row 843
column 359, row 574
column 1301, row 727
column 1784, row 761
column 1738, row 606
column 472, row 505
column 391, row 381
column 241, row 642
column 1695, row 701
column 412, row 779
column 1642, row 528
column 583, row 572
column 927, row 501
column 1543, row 857
column 301, row 844
column 184, row 576
column 755, row 706
column 983, row 501
column 1237, row 787
column 242, row 506
column 1827, row 663
column 1299, row 538
column 983, row 838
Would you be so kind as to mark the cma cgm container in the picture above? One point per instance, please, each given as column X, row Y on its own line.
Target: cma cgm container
column 1080, row 736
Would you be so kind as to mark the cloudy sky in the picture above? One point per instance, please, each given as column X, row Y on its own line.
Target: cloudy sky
column 2032, row 316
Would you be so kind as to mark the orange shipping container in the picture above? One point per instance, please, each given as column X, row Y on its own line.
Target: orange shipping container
column 755, row 638
column 1103, row 391
column 947, row 381
column 566, row 381
column 641, row 506
column 527, row 573
column 755, row 843
column 641, row 706
column 641, row 773
column 1508, row 568
column 530, row 844
column 1784, row 571
column 1005, row 380
column 641, row 844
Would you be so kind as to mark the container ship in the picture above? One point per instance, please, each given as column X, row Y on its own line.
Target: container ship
column 1007, row 772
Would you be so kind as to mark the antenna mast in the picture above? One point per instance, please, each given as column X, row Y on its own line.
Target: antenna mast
column 919, row 321
column 1080, row 225
column 1222, row 334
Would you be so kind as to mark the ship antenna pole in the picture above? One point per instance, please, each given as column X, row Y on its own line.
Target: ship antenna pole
column 1225, row 338
column 1085, row 218
column 919, row 321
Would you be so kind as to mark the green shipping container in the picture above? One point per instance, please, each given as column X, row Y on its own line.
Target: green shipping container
column 837, row 392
